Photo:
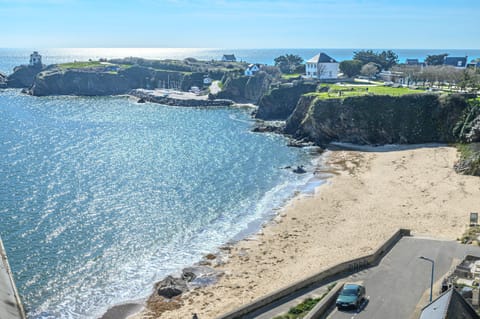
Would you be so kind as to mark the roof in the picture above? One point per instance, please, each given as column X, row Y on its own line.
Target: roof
column 229, row 56
column 455, row 61
column 450, row 305
column 322, row 58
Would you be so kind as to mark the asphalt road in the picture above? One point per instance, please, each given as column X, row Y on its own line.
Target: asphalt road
column 396, row 285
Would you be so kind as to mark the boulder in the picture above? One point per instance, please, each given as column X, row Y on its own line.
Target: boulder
column 171, row 287
column 299, row 170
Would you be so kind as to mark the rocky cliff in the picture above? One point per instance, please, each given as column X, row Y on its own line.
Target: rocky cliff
column 408, row 119
column 245, row 88
column 58, row 81
column 23, row 76
column 280, row 102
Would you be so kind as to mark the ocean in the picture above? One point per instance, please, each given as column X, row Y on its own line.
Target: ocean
column 100, row 197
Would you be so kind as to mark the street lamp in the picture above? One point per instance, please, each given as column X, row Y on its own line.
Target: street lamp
column 431, row 280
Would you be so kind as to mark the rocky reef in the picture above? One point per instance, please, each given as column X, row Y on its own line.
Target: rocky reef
column 407, row 119
column 186, row 99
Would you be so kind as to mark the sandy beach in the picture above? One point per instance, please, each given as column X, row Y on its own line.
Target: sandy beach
column 370, row 196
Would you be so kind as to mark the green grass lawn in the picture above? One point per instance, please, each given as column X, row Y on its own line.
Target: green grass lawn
column 291, row 76
column 341, row 91
column 80, row 65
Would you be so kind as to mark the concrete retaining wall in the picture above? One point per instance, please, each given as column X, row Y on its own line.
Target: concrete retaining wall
column 10, row 303
column 348, row 266
column 326, row 303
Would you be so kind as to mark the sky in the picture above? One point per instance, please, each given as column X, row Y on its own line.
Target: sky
column 405, row 24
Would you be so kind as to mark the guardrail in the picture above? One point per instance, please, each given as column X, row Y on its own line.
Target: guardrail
column 8, row 309
column 348, row 266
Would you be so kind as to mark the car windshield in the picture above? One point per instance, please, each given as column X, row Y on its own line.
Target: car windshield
column 349, row 292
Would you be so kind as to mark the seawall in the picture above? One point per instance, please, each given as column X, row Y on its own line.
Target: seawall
column 10, row 304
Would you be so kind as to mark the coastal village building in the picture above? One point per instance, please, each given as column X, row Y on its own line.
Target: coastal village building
column 458, row 62
column 229, row 58
column 322, row 67
column 252, row 69
column 35, row 59
column 450, row 305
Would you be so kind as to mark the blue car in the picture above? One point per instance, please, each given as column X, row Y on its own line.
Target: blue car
column 351, row 296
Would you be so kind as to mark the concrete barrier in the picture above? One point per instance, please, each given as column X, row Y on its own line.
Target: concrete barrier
column 348, row 266
column 10, row 304
column 326, row 303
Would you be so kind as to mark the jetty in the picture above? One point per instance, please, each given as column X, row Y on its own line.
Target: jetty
column 10, row 304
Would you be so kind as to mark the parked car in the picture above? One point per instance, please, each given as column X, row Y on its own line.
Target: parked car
column 351, row 296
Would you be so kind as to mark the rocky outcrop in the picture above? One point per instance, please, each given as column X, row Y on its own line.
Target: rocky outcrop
column 3, row 81
column 168, row 99
column 280, row 102
column 23, row 76
column 77, row 82
column 469, row 162
column 408, row 119
column 246, row 88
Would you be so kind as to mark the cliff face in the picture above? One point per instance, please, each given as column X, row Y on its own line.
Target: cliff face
column 408, row 119
column 58, row 81
column 3, row 81
column 74, row 82
column 280, row 102
column 23, row 76
column 245, row 88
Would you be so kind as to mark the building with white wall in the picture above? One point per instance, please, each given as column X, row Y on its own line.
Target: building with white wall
column 322, row 67
column 252, row 69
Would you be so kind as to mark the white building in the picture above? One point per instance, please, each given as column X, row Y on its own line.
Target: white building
column 35, row 59
column 252, row 69
column 322, row 67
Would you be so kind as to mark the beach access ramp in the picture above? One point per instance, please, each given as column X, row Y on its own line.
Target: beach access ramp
column 10, row 304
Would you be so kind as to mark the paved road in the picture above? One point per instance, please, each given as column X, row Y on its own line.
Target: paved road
column 396, row 285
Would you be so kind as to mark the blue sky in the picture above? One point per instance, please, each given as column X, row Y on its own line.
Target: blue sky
column 431, row 24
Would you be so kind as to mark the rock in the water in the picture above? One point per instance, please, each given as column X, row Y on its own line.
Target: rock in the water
column 171, row 287
column 299, row 170
column 141, row 100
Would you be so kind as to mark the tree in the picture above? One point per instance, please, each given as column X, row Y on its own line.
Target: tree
column 351, row 68
column 288, row 63
column 384, row 59
column 435, row 59
column 369, row 69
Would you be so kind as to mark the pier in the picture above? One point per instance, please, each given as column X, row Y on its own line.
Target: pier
column 10, row 303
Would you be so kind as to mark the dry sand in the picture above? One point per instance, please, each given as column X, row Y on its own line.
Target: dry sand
column 371, row 195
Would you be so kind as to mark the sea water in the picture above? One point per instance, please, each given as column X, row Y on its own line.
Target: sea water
column 100, row 196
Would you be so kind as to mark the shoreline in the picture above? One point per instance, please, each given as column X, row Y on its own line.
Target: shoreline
column 415, row 188
column 316, row 176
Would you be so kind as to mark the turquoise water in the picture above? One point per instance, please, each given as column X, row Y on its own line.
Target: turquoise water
column 100, row 197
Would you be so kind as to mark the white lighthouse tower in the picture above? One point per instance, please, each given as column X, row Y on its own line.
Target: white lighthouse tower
column 35, row 59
